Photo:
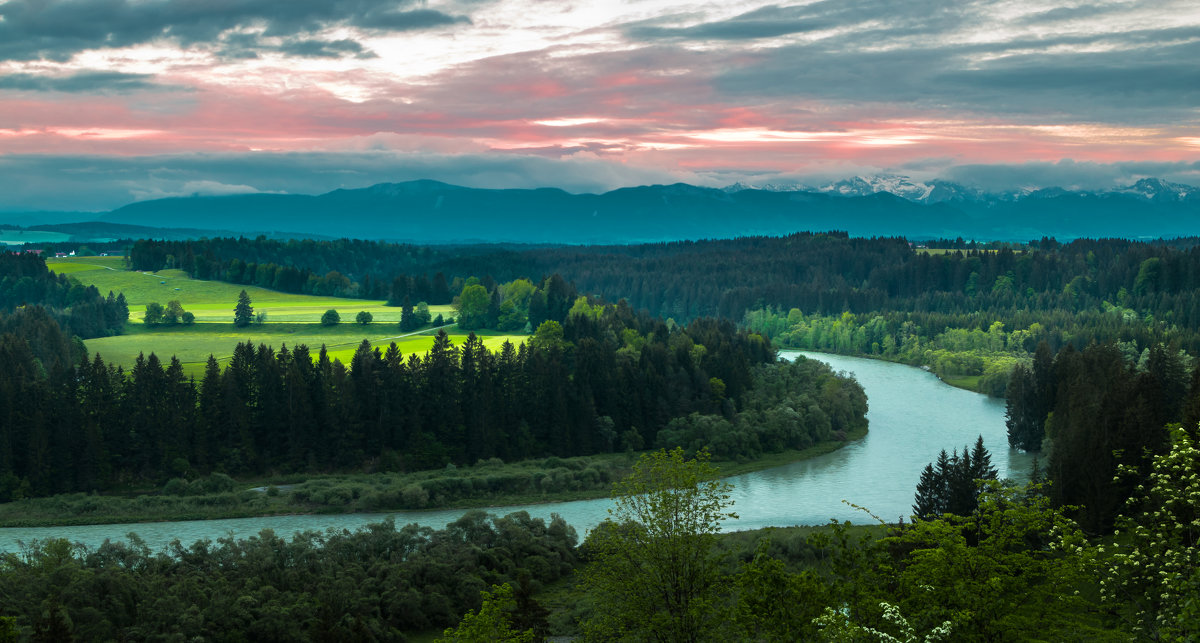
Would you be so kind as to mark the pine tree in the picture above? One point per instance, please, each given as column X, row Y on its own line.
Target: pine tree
column 243, row 313
column 930, row 492
column 981, row 462
column 949, row 485
column 408, row 320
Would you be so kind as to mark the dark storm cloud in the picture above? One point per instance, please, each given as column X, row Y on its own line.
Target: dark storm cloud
column 1140, row 76
column 1087, row 62
column 103, row 82
column 408, row 20
column 898, row 18
column 322, row 48
column 768, row 22
column 56, row 29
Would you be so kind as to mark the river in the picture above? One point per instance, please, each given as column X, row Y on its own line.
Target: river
column 912, row 415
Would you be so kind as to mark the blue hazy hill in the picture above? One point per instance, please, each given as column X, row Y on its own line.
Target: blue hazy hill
column 433, row 212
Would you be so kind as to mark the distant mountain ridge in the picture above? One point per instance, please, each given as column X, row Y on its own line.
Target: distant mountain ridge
column 429, row 211
column 939, row 191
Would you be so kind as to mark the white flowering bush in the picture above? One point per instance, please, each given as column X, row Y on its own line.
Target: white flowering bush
column 836, row 627
column 1154, row 572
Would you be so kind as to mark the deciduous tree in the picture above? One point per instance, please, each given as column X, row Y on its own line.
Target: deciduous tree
column 655, row 574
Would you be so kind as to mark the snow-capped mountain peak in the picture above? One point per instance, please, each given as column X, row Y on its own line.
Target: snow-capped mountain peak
column 900, row 186
column 1159, row 190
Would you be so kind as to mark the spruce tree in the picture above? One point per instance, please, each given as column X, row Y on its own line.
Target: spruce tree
column 930, row 490
column 243, row 313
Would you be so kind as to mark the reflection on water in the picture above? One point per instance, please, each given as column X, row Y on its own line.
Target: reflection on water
column 913, row 415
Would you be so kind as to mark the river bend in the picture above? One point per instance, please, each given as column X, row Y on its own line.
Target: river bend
column 912, row 416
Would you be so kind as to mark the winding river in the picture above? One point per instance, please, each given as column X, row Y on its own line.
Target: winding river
column 912, row 416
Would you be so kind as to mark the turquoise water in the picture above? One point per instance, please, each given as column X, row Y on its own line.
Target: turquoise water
column 912, row 416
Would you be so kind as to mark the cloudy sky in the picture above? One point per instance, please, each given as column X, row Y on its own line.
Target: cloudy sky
column 107, row 101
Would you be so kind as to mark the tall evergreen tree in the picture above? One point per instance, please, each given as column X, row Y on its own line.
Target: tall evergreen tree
column 243, row 313
column 931, row 490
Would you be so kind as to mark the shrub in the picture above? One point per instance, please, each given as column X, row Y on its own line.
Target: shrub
column 330, row 318
column 214, row 483
column 414, row 496
column 176, row 487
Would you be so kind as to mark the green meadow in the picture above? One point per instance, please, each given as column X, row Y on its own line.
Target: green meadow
column 213, row 300
column 290, row 319
column 12, row 236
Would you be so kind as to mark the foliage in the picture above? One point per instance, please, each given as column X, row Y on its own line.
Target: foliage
column 951, row 484
column 1107, row 412
column 472, row 307
column 836, row 627
column 792, row 405
column 1153, row 574
column 372, row 584
column 330, row 318
column 773, row 604
column 292, row 410
column 1109, row 289
column 1028, row 398
column 243, row 313
column 491, row 623
column 364, row 317
column 1012, row 570
column 153, row 315
column 654, row 574
column 25, row 282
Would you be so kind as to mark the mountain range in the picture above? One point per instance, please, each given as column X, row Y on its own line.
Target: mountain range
column 428, row 211
column 939, row 191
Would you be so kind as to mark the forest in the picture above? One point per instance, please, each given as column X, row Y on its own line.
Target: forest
column 1011, row 566
column 1090, row 342
column 817, row 273
column 601, row 378
column 81, row 310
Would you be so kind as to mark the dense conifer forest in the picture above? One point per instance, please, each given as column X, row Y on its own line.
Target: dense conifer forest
column 81, row 310
column 818, row 273
column 597, row 378
column 1091, row 342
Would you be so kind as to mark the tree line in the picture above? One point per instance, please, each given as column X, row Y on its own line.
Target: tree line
column 823, row 273
column 81, row 310
column 607, row 380
column 1094, row 412
column 373, row 584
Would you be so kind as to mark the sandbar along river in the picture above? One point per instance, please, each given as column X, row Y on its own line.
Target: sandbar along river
column 913, row 415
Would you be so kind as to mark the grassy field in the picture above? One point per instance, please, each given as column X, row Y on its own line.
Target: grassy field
column 17, row 237
column 291, row 319
column 193, row 344
column 213, row 300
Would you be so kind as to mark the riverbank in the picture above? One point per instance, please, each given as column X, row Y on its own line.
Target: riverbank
column 965, row 382
column 489, row 483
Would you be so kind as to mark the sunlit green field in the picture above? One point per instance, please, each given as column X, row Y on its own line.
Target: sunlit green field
column 291, row 319
column 214, row 300
column 193, row 344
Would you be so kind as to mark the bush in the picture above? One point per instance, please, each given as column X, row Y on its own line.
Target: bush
column 176, row 487
column 214, row 483
column 364, row 317
column 414, row 496
column 330, row 318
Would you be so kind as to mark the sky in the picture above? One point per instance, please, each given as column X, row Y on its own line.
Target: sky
column 104, row 102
